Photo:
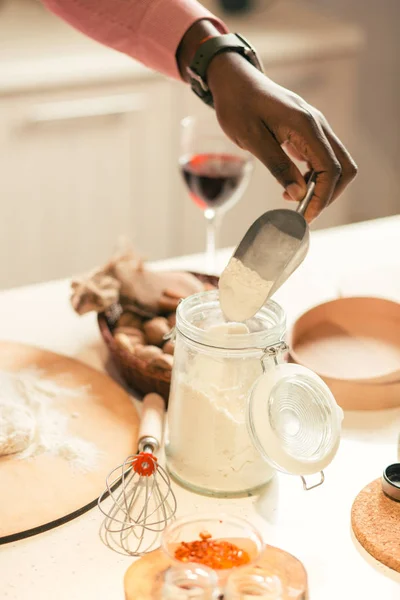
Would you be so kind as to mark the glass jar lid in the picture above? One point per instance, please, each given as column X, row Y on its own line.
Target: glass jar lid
column 293, row 419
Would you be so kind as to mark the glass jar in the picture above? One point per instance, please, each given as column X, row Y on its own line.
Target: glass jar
column 236, row 410
column 250, row 584
column 208, row 446
column 190, row 582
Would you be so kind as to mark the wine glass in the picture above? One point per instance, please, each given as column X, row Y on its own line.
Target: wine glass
column 215, row 170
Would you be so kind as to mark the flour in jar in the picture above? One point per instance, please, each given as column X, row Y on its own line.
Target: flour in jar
column 217, row 453
column 242, row 291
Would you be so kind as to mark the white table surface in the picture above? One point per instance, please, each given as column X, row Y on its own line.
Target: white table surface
column 70, row 563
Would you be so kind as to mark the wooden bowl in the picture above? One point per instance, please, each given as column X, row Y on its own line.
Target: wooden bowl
column 353, row 344
column 132, row 369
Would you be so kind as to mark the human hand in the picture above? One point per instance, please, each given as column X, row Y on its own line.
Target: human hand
column 264, row 118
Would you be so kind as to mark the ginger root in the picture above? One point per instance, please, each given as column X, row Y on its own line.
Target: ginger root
column 125, row 279
column 95, row 291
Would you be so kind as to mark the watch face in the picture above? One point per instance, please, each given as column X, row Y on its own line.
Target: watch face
column 199, row 90
column 196, row 78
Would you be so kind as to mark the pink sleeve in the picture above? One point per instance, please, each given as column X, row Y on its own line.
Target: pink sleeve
column 147, row 30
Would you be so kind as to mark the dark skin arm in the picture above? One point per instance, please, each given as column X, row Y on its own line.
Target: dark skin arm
column 273, row 123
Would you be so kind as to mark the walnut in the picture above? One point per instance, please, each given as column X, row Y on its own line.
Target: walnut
column 169, row 347
column 124, row 342
column 127, row 319
column 155, row 330
column 147, row 353
column 164, row 362
column 135, row 335
column 172, row 319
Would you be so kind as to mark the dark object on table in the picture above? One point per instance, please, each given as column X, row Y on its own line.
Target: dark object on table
column 236, row 6
column 391, row 482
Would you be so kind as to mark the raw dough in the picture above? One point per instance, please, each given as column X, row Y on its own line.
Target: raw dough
column 32, row 420
column 17, row 429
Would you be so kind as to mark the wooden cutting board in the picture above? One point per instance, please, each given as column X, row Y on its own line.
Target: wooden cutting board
column 144, row 578
column 45, row 491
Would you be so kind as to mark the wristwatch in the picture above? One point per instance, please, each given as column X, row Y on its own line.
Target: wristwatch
column 229, row 42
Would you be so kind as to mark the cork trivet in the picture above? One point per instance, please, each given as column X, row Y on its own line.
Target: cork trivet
column 375, row 519
column 144, row 578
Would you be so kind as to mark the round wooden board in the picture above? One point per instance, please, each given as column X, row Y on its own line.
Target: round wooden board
column 41, row 492
column 375, row 519
column 143, row 580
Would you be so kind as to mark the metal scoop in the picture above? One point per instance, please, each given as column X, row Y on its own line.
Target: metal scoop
column 273, row 247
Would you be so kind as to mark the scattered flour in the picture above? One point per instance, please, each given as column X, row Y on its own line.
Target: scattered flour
column 17, row 428
column 242, row 292
column 209, row 446
column 31, row 424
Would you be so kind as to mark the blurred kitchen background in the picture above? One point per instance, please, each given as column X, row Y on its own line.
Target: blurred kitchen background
column 89, row 139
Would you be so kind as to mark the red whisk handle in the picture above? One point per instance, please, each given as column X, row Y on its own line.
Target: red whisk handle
column 144, row 464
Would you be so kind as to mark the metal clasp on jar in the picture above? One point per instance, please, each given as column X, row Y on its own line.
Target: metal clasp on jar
column 274, row 352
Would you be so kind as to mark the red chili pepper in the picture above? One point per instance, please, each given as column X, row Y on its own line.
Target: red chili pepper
column 216, row 554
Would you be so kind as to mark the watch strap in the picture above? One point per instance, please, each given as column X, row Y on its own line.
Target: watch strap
column 229, row 42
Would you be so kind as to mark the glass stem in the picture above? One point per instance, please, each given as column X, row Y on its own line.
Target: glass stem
column 211, row 246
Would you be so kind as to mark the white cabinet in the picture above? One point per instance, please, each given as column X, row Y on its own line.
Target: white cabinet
column 85, row 165
column 78, row 169
column 94, row 154
column 327, row 84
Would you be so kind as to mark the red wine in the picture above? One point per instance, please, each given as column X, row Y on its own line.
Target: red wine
column 213, row 178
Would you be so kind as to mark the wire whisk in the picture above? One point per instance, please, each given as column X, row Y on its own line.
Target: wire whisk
column 138, row 501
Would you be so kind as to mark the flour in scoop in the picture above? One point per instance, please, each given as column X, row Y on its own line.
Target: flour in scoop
column 242, row 292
